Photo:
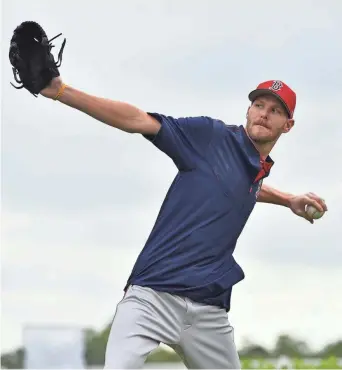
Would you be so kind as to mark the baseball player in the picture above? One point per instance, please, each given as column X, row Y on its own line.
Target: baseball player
column 179, row 290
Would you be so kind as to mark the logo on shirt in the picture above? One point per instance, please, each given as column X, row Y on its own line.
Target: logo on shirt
column 258, row 189
column 277, row 85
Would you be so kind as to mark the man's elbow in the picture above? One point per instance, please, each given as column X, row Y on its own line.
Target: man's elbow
column 146, row 125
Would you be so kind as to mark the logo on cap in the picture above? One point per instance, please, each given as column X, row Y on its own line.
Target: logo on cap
column 276, row 86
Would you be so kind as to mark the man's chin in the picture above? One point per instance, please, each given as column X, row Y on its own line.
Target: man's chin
column 260, row 134
column 260, row 137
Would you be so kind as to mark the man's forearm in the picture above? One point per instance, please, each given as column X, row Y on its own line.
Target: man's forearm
column 123, row 116
column 273, row 196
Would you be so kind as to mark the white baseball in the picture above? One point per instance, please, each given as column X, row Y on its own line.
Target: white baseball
column 313, row 212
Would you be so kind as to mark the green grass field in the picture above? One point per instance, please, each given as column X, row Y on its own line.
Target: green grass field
column 328, row 363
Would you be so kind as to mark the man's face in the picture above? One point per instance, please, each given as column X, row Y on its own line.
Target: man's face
column 267, row 119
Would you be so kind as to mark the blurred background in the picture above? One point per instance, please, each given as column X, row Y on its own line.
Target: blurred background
column 79, row 198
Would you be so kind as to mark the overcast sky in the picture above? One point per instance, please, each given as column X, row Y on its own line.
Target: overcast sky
column 79, row 198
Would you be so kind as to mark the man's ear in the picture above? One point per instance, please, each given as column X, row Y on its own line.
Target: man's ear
column 288, row 126
column 247, row 111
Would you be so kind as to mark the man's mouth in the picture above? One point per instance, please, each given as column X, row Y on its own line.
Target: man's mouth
column 261, row 124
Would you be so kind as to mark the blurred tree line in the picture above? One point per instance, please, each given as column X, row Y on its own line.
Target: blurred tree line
column 96, row 343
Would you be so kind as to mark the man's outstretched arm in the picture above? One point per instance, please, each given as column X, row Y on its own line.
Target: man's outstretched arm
column 297, row 203
column 120, row 115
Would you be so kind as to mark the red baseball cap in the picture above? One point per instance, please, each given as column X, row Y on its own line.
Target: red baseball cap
column 278, row 89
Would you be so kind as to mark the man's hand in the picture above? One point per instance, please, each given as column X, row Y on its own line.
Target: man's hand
column 52, row 89
column 298, row 205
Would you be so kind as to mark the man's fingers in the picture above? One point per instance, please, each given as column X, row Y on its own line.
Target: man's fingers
column 315, row 203
column 307, row 217
column 303, row 214
column 319, row 200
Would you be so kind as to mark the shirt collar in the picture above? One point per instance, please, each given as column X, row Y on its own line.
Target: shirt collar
column 253, row 154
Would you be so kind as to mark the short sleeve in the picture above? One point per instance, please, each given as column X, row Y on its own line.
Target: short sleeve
column 184, row 140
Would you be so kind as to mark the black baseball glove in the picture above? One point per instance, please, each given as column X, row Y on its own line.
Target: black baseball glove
column 30, row 55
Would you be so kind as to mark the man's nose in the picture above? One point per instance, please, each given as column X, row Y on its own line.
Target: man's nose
column 264, row 113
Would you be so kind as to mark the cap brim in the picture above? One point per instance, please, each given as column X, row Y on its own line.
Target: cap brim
column 259, row 92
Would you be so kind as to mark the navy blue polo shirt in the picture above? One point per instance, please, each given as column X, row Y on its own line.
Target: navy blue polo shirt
column 190, row 249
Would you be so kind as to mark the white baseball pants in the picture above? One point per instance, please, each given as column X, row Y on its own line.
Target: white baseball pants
column 200, row 334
